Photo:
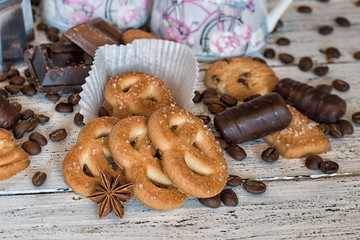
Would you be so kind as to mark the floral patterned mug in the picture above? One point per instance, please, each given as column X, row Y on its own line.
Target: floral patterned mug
column 216, row 28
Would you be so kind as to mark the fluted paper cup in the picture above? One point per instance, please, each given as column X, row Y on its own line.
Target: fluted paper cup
column 174, row 63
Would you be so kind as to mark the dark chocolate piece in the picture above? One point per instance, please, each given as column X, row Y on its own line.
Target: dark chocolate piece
column 253, row 119
column 316, row 104
column 9, row 115
column 58, row 67
column 93, row 34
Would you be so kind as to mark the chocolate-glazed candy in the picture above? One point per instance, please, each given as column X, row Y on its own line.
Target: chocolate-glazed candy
column 9, row 115
column 253, row 119
column 316, row 104
column 58, row 67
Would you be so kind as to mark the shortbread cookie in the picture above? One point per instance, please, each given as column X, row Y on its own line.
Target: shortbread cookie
column 130, row 35
column 131, row 149
column 301, row 138
column 82, row 164
column 240, row 77
column 13, row 159
column 191, row 156
column 135, row 93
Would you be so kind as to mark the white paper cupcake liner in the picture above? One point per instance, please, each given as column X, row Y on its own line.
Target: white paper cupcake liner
column 174, row 63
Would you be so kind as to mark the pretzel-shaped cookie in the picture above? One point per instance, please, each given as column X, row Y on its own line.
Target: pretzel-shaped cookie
column 135, row 93
column 82, row 164
column 131, row 148
column 191, row 156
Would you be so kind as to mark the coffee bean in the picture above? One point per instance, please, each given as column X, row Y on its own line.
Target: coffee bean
column 336, row 131
column 236, row 152
column 52, row 37
column 13, row 89
column 39, row 138
column 251, row 97
column 52, row 30
column 329, row 167
column 270, row 155
column 197, row 98
column 340, row 85
column 342, row 21
column 283, row 41
column 102, row 112
column 79, row 119
column 3, row 76
column 39, row 178
column 13, row 72
column 228, row 100
column 74, row 99
column 356, row 117
column 42, row 27
column 222, row 142
column 269, row 53
column 228, row 197
column 31, row 147
column 213, row 202
column 20, row 129
column 26, row 114
column 210, row 99
column 17, row 105
column 325, row 30
column 53, row 97
column 234, row 181
column 324, row 87
column 31, row 81
column 313, row 162
column 17, row 80
column 346, row 126
column 305, row 64
column 209, row 92
column 254, row 187
column 286, row 58
column 304, row 9
column 321, row 70
column 332, row 52
column 204, row 118
column 64, row 107
column 357, row 3
column 34, row 121
column 4, row 93
column 323, row 1
column 58, row 135
column 357, row 55
column 324, row 128
column 28, row 90
column 259, row 60
column 27, row 73
column 42, row 118
column 216, row 108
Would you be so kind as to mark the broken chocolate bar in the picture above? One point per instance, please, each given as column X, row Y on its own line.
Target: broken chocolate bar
column 58, row 67
column 93, row 34
column 9, row 115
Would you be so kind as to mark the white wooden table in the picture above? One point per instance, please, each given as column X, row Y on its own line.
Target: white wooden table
column 299, row 203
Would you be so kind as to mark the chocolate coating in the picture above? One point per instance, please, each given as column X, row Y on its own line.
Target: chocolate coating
column 314, row 103
column 253, row 119
column 9, row 115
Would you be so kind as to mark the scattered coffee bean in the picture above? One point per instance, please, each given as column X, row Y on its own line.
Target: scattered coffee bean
column 39, row 178
column 234, row 181
column 286, row 58
column 210, row 99
column 236, row 152
column 259, row 60
column 34, row 121
column 197, row 98
column 336, row 131
column 102, row 112
column 323, row 1
column 228, row 100
column 13, row 89
column 42, row 27
column 313, row 162
column 283, row 41
column 209, row 92
column 4, row 93
column 321, row 70
column 74, row 99
column 17, row 80
column 39, row 138
column 270, row 155
column 254, row 187
column 340, row 85
column 213, row 202
column 222, row 142
column 305, row 64
column 204, row 118
column 42, row 118
column 325, row 30
column 269, row 53
column 13, row 72
column 251, row 97
column 357, row 3
column 329, row 167
column 64, row 107
column 216, row 108
column 20, row 129
column 58, row 135
column 356, row 117
column 324, row 87
column 342, row 21
column 52, row 37
column 346, row 126
column 332, row 52
column 31, row 81
column 357, row 55
column 27, row 73
column 3, row 76
column 17, row 105
column 31, row 147
column 26, row 114
column 324, row 128
column 304, row 9
column 28, row 90
column 53, row 97
column 228, row 197
column 79, row 119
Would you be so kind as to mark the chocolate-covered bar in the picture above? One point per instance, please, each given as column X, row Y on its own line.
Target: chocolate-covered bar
column 58, row 67
column 253, row 119
column 93, row 34
column 9, row 115
column 314, row 103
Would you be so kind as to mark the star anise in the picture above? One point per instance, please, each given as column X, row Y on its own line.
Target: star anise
column 110, row 193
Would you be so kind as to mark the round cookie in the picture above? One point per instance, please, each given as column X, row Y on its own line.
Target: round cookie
column 132, row 34
column 240, row 77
